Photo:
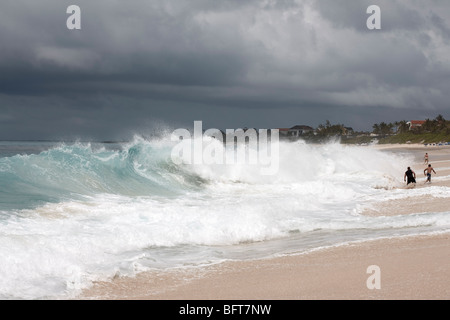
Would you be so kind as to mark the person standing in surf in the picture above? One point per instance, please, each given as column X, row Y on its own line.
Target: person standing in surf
column 425, row 158
column 411, row 175
column 427, row 172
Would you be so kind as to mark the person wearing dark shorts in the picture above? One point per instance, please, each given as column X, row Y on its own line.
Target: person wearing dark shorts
column 411, row 175
column 427, row 172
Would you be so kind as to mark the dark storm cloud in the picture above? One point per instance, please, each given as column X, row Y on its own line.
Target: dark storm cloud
column 258, row 63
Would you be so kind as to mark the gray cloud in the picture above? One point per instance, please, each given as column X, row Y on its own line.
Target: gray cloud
column 137, row 63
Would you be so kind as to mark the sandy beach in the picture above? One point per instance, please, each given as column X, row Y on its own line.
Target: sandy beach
column 409, row 267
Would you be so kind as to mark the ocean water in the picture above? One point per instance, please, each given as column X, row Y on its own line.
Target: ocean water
column 73, row 213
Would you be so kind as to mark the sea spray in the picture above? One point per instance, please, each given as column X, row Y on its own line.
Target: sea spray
column 233, row 147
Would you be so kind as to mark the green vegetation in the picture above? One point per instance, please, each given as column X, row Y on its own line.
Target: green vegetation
column 327, row 132
column 411, row 137
column 359, row 139
column 383, row 128
column 431, row 131
column 328, row 129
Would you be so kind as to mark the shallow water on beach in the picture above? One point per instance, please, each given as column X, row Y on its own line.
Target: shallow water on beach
column 72, row 213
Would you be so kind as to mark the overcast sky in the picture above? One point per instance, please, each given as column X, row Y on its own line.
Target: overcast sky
column 138, row 66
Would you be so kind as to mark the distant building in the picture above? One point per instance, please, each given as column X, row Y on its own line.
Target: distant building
column 347, row 131
column 413, row 124
column 299, row 130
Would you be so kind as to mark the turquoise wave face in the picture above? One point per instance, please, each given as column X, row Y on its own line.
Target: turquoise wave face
column 73, row 171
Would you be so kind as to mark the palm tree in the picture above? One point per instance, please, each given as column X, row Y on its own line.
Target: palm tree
column 402, row 126
column 376, row 128
column 386, row 128
column 428, row 126
column 441, row 123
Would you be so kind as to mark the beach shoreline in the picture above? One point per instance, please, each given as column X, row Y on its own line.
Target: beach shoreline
column 411, row 267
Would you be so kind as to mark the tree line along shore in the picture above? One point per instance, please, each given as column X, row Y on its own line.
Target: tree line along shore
column 429, row 131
